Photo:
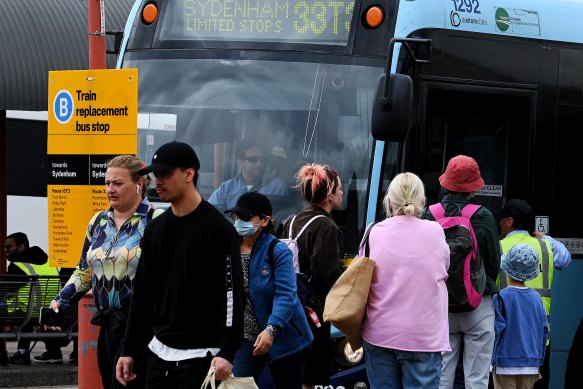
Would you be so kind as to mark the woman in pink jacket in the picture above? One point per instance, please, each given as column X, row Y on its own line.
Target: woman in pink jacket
column 406, row 324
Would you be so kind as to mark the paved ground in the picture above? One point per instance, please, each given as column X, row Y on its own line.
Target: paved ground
column 62, row 376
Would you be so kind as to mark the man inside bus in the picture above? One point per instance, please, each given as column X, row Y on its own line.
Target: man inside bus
column 251, row 162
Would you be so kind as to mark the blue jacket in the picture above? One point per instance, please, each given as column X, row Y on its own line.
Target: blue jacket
column 226, row 195
column 272, row 285
column 521, row 328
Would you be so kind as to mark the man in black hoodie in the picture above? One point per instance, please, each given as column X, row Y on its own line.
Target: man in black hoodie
column 28, row 261
column 187, row 302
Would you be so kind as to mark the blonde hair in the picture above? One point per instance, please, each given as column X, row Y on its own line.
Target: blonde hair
column 317, row 182
column 405, row 196
column 132, row 164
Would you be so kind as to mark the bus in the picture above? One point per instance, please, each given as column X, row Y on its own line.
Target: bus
column 500, row 82
column 497, row 80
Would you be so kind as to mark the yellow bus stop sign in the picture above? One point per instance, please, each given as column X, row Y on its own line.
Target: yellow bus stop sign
column 92, row 117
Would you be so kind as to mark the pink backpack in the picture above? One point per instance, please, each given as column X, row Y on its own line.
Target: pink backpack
column 466, row 275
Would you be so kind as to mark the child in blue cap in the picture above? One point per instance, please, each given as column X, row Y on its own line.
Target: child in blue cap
column 521, row 323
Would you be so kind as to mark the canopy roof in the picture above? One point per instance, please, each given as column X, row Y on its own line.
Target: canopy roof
column 42, row 35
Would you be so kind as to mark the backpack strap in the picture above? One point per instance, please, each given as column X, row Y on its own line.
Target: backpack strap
column 437, row 211
column 271, row 248
column 469, row 210
column 304, row 227
column 291, row 225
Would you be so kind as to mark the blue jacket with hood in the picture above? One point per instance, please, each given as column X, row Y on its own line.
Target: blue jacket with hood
column 272, row 285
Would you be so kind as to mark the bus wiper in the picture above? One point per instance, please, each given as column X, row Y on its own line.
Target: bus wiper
column 307, row 150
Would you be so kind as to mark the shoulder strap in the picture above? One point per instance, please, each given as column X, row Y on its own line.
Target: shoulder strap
column 305, row 225
column 291, row 225
column 271, row 248
column 469, row 210
column 365, row 239
column 437, row 211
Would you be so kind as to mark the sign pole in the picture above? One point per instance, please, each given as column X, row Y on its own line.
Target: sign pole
column 96, row 27
column 88, row 373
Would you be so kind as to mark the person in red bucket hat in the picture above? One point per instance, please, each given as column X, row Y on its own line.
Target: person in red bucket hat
column 471, row 334
column 462, row 175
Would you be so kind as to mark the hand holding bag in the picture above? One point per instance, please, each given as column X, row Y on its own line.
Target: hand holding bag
column 230, row 383
column 346, row 303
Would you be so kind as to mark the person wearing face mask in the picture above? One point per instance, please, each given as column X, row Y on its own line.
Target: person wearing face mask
column 276, row 331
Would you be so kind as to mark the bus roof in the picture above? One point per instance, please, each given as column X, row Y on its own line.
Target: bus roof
column 557, row 20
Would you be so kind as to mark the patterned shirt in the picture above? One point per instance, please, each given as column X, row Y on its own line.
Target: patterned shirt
column 250, row 325
column 109, row 260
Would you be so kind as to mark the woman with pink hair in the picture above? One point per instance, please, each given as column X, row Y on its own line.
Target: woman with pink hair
column 318, row 258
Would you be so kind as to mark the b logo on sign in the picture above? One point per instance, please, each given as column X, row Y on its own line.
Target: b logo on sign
column 63, row 106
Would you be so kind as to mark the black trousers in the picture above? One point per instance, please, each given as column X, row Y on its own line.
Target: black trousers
column 108, row 352
column 186, row 374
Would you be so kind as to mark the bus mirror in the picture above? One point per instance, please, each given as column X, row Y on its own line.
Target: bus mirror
column 391, row 111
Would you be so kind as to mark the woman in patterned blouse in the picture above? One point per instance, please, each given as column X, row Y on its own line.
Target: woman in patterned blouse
column 109, row 259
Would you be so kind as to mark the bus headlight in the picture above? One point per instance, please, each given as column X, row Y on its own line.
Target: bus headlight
column 348, row 356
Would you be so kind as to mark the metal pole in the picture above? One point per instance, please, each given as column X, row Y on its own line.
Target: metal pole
column 3, row 194
column 88, row 371
column 96, row 27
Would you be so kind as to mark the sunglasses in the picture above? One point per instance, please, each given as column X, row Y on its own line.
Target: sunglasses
column 254, row 159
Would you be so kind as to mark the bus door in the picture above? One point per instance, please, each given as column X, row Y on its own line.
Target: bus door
column 492, row 124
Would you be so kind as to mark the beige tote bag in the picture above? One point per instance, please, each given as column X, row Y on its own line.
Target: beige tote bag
column 346, row 303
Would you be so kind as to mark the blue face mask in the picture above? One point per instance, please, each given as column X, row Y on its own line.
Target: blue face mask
column 245, row 228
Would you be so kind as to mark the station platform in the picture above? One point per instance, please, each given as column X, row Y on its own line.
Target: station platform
column 36, row 375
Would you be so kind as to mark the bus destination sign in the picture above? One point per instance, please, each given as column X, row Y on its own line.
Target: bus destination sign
column 287, row 21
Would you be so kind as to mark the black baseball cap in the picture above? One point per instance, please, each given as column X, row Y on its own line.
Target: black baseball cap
column 172, row 155
column 252, row 203
column 520, row 211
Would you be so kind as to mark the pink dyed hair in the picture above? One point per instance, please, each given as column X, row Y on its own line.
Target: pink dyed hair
column 317, row 182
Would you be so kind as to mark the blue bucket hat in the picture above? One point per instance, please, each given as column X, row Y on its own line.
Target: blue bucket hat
column 521, row 263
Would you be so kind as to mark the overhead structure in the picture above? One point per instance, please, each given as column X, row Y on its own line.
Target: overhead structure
column 38, row 36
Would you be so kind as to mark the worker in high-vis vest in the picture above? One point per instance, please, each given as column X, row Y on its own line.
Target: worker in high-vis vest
column 28, row 261
column 517, row 224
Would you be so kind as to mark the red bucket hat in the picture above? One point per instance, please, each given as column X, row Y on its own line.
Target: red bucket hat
column 462, row 175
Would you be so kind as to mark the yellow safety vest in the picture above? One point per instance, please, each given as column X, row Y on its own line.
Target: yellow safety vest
column 544, row 281
column 43, row 295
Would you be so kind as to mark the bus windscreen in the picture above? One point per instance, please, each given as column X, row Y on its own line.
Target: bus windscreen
column 281, row 21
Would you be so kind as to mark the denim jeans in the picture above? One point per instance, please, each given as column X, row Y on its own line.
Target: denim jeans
column 389, row 368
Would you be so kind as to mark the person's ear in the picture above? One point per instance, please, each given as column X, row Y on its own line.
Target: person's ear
column 265, row 221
